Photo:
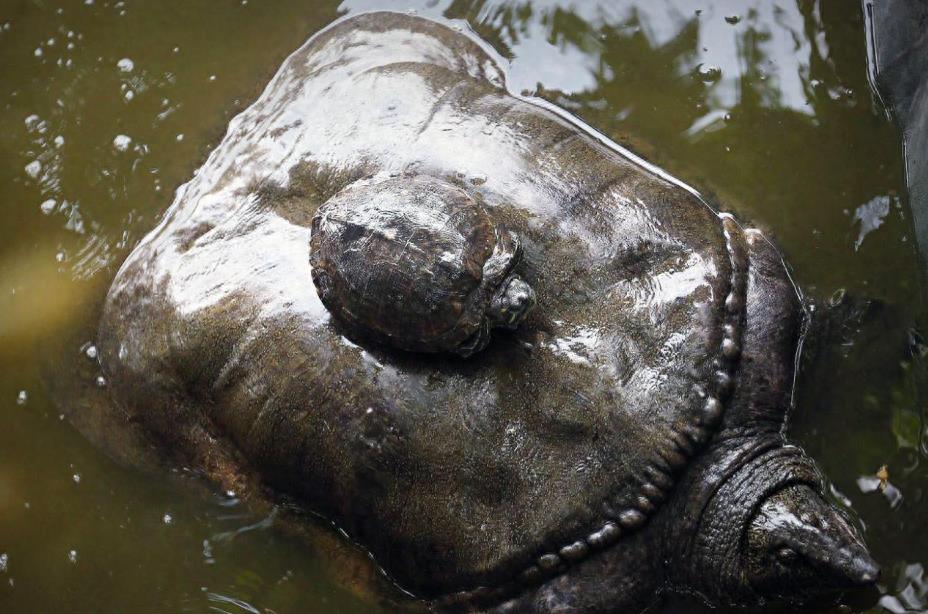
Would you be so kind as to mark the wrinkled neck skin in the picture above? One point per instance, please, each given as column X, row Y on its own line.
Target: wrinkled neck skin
column 726, row 485
column 756, row 527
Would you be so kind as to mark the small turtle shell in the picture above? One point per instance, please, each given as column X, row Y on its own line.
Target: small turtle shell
column 411, row 262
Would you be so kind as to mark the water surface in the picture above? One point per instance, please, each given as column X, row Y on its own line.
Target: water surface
column 106, row 107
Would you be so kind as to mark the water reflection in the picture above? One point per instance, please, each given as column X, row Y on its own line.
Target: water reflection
column 107, row 106
column 911, row 594
column 870, row 215
column 730, row 45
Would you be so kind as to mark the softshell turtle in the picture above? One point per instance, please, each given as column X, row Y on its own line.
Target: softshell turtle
column 416, row 263
column 626, row 438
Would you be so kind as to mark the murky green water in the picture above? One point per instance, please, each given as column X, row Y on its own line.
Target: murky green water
column 106, row 107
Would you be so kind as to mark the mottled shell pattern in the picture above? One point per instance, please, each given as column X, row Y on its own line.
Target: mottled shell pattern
column 411, row 262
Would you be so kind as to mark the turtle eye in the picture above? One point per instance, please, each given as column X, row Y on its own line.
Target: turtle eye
column 786, row 555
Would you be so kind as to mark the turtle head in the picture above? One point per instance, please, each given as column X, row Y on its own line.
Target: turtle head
column 799, row 546
column 768, row 534
column 510, row 303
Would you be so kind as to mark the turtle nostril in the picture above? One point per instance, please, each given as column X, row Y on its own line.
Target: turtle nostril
column 871, row 575
column 867, row 570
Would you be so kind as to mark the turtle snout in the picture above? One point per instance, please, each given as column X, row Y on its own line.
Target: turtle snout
column 523, row 296
column 520, row 299
column 512, row 302
column 864, row 570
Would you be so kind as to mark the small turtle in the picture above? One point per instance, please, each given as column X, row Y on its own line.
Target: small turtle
column 416, row 263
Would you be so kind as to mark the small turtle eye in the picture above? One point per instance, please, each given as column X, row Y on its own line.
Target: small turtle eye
column 786, row 555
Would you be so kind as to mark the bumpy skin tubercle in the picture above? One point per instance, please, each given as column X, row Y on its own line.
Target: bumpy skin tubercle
column 585, row 462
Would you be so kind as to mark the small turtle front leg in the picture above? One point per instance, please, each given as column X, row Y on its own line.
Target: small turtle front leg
column 475, row 342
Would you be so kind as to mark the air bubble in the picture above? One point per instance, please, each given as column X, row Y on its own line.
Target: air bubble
column 709, row 73
column 122, row 142
column 208, row 552
column 33, row 169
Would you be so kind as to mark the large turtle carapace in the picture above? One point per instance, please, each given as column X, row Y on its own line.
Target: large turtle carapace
column 627, row 439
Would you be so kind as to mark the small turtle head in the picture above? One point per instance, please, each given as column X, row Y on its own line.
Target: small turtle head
column 511, row 302
column 799, row 546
